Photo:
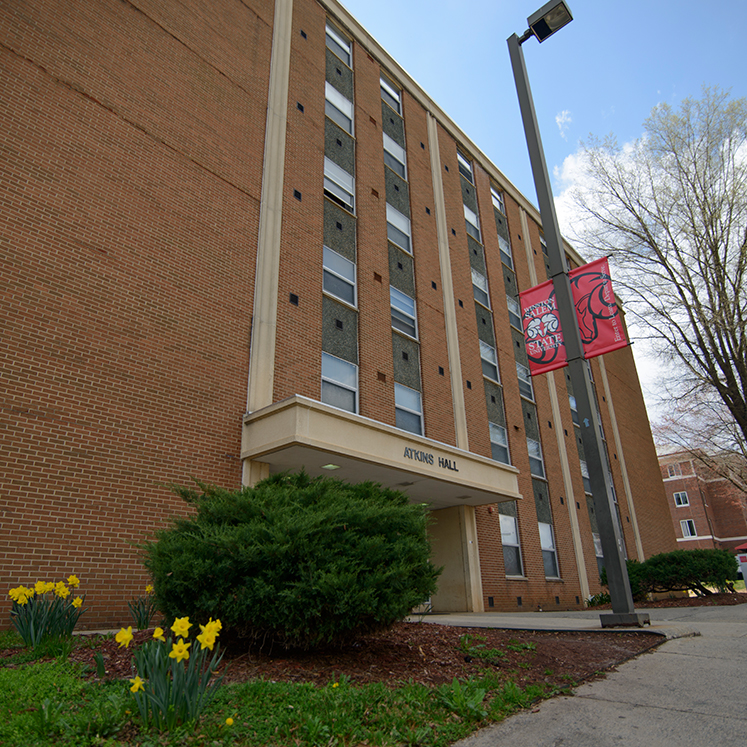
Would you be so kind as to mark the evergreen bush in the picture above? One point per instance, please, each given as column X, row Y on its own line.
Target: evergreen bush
column 297, row 560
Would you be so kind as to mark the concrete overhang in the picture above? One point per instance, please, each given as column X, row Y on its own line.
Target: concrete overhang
column 302, row 433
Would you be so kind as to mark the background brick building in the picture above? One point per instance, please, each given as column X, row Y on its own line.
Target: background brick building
column 237, row 238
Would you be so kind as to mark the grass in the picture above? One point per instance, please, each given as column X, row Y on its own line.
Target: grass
column 49, row 702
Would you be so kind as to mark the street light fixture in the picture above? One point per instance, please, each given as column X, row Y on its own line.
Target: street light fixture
column 542, row 24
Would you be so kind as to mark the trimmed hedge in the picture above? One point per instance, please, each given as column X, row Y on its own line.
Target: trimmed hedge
column 681, row 570
column 300, row 561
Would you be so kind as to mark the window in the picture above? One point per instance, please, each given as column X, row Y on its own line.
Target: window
column 497, row 197
column 499, row 443
column 674, row 470
column 339, row 185
column 408, row 409
column 391, row 94
column 688, row 528
column 338, row 108
column 598, row 552
column 525, row 381
column 574, row 409
column 514, row 312
column 489, row 361
column 403, row 312
column 339, row 276
column 543, row 244
column 339, row 383
column 465, row 166
column 506, row 256
column 473, row 223
column 585, row 475
column 549, row 555
column 394, row 156
column 398, row 228
column 339, row 45
column 681, row 499
column 480, row 288
column 536, row 465
column 511, row 547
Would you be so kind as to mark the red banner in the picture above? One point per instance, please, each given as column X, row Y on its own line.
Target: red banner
column 596, row 311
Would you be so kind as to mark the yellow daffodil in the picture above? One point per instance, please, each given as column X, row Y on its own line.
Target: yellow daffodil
column 124, row 637
column 49, row 586
column 21, row 594
column 77, row 602
column 137, row 684
column 229, row 721
column 206, row 639
column 61, row 590
column 73, row 581
column 158, row 634
column 180, row 650
column 40, row 587
column 149, row 589
column 181, row 627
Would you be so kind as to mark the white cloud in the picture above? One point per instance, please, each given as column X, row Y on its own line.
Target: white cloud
column 563, row 120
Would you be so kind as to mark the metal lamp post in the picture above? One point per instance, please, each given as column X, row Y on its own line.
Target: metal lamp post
column 542, row 24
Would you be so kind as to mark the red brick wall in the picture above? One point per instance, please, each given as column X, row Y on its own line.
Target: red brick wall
column 129, row 217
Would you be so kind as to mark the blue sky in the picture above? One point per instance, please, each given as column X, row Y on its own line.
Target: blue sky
column 601, row 74
column 605, row 70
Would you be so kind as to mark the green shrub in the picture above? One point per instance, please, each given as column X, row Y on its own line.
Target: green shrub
column 636, row 577
column 301, row 561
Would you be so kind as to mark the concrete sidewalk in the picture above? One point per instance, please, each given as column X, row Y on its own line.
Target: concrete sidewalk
column 690, row 692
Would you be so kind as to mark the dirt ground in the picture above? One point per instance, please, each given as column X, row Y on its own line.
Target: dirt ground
column 429, row 654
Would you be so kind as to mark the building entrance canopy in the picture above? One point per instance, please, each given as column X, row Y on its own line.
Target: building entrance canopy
column 302, row 433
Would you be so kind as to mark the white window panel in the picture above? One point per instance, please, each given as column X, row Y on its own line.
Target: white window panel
column 403, row 312
column 489, row 361
column 497, row 197
column 339, row 276
column 339, row 45
column 514, row 313
column 465, row 166
column 499, row 443
column 511, row 546
column 338, row 108
column 681, row 499
column 398, row 228
column 688, row 528
column 506, row 256
column 536, row 463
column 549, row 554
column 391, row 94
column 408, row 409
column 574, row 409
column 585, row 475
column 472, row 223
column 339, row 185
column 339, row 383
column 480, row 288
column 525, row 382
column 395, row 157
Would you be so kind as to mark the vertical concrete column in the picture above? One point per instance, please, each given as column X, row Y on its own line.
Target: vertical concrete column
column 264, row 321
column 447, row 287
column 621, row 460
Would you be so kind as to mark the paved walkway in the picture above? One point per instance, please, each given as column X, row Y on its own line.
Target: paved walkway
column 690, row 692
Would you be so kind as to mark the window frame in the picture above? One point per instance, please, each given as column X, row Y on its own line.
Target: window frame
column 574, row 410
column 338, row 383
column 493, row 430
column 499, row 202
column 403, row 408
column 526, row 380
column 514, row 315
column 465, row 167
column 507, row 256
column 482, row 287
column 472, row 226
column 393, row 144
column 334, row 100
column 511, row 545
column 338, row 42
column 534, row 457
column 332, row 176
column 549, row 551
column 674, row 469
column 328, row 269
column 586, row 479
column 392, row 212
column 686, row 525
column 402, row 307
column 680, row 501
column 392, row 92
column 487, row 362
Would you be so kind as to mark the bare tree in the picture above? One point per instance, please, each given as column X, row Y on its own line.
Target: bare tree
column 671, row 212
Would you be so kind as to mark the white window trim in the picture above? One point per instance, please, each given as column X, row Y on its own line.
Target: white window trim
column 465, row 165
column 342, row 104
column 538, row 456
column 472, row 219
column 516, row 544
column 340, row 184
column 525, row 377
column 340, row 384
column 553, row 549
column 402, row 223
column 489, row 355
column 498, row 200
column 498, row 430
column 685, row 525
column 402, row 303
column 393, row 92
column 352, row 283
column 480, row 282
column 342, row 42
column 397, row 152
column 404, row 408
column 681, row 501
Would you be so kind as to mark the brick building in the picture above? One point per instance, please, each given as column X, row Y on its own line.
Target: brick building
column 708, row 511
column 238, row 238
